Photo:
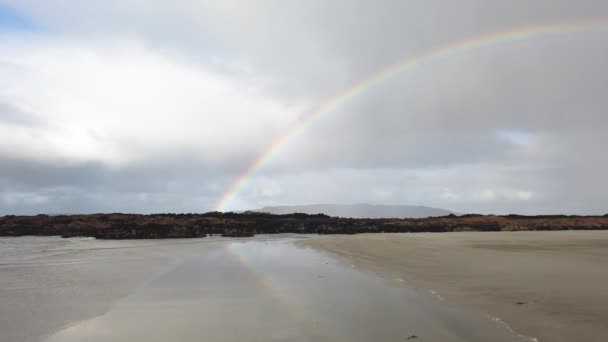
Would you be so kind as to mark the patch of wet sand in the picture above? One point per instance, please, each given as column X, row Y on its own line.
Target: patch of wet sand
column 275, row 291
column 48, row 283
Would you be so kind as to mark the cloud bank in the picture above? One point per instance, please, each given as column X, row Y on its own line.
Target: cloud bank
column 140, row 107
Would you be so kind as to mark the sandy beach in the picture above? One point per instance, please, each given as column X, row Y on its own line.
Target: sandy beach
column 552, row 286
column 213, row 289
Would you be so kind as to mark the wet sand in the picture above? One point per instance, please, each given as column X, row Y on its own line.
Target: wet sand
column 549, row 285
column 48, row 283
column 259, row 289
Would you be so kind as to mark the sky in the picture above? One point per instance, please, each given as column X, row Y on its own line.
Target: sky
column 159, row 106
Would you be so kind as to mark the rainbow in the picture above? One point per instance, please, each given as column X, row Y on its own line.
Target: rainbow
column 387, row 72
column 263, row 284
column 288, row 305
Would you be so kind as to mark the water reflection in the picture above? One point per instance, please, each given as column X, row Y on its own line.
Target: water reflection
column 275, row 291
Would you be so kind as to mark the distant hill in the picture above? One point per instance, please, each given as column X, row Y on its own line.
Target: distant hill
column 359, row 210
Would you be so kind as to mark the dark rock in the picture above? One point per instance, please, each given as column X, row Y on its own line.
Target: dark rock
column 162, row 226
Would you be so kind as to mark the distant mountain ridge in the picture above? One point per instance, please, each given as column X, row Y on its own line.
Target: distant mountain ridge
column 362, row 210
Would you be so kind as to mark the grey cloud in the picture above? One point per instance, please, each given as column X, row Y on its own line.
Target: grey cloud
column 30, row 187
column 11, row 115
column 387, row 145
column 460, row 112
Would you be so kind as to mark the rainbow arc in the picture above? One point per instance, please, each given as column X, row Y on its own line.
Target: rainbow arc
column 388, row 72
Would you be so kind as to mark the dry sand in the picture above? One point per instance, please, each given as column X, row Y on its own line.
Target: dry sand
column 549, row 285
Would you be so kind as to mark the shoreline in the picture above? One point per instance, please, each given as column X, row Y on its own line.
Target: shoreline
column 545, row 285
column 163, row 226
column 263, row 288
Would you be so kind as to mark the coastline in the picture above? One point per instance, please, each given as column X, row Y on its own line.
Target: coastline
column 247, row 224
column 545, row 285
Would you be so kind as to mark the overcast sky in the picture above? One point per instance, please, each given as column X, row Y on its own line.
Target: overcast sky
column 157, row 106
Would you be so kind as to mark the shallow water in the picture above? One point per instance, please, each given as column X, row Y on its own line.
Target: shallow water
column 275, row 291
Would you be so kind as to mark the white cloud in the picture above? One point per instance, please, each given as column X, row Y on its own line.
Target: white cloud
column 502, row 193
column 119, row 102
column 484, row 195
column 447, row 194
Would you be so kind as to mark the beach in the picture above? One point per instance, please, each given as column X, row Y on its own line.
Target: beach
column 266, row 288
column 552, row 286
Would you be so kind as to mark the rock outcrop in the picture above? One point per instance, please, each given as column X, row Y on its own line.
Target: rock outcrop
column 161, row 226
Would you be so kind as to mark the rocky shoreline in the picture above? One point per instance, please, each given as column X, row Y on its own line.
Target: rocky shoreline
column 161, row 226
